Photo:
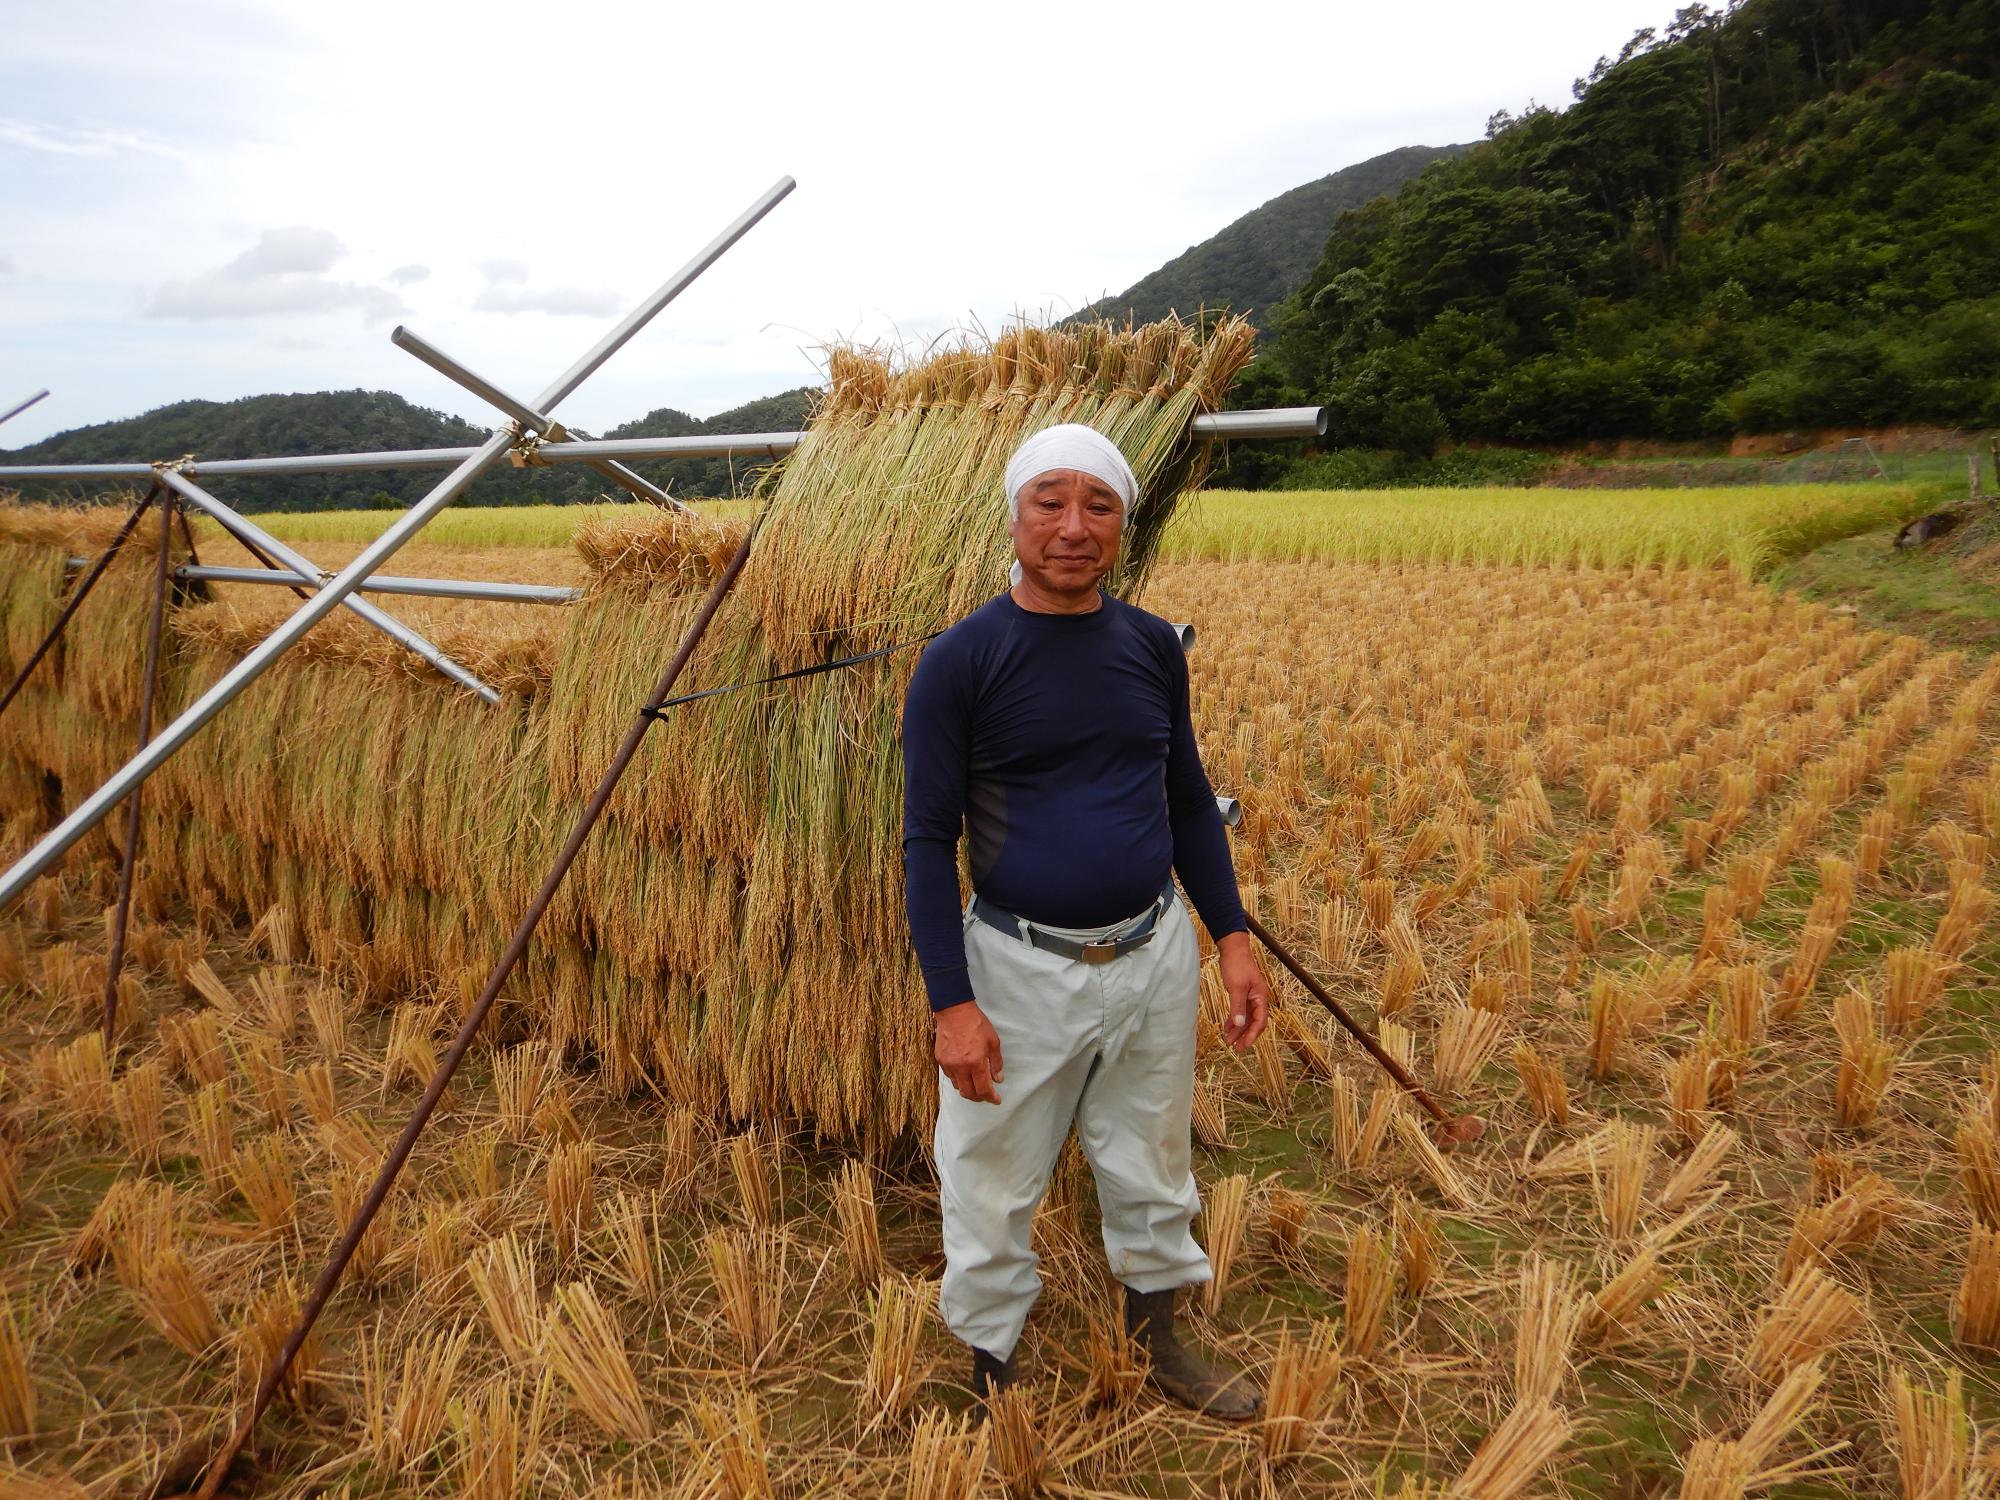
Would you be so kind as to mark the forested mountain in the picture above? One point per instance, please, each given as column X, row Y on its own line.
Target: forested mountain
column 1265, row 255
column 1785, row 214
column 364, row 421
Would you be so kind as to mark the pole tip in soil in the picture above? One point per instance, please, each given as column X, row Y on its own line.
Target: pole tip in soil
column 1459, row 1130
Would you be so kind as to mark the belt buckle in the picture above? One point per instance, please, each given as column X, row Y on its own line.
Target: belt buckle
column 1100, row 952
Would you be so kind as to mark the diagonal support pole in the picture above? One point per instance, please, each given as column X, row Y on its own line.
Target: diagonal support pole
column 98, row 805
column 128, row 858
column 517, row 947
column 196, row 587
column 20, row 406
column 276, row 571
column 552, row 432
column 81, row 593
column 257, row 538
column 1447, row 1129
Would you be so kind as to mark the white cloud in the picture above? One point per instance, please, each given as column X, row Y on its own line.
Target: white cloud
column 507, row 291
column 409, row 275
column 283, row 273
column 559, row 301
column 6, row 265
column 84, row 141
column 214, row 296
column 278, row 251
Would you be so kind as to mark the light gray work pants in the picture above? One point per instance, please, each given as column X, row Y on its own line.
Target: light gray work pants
column 1109, row 1046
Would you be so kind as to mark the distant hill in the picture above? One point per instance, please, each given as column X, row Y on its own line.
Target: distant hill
column 362, row 421
column 1265, row 256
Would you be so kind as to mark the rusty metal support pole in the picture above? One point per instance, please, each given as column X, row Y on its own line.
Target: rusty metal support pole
column 1355, row 1029
column 265, row 558
column 196, row 588
column 82, row 592
column 517, row 947
column 129, row 856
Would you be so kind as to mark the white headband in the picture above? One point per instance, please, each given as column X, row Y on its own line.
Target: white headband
column 1070, row 445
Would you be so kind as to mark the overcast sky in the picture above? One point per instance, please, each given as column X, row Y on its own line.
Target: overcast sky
column 218, row 198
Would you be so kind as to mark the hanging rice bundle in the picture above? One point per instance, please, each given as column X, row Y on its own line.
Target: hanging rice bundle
column 733, row 934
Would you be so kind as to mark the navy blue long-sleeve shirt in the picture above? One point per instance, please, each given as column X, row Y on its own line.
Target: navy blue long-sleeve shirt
column 1063, row 745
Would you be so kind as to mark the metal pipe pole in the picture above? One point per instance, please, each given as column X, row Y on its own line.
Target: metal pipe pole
column 643, row 314
column 739, row 445
column 20, row 406
column 721, row 445
column 93, row 809
column 128, row 859
column 517, row 947
column 77, row 471
column 256, row 537
column 76, row 599
column 331, row 463
column 1274, row 423
column 391, row 583
column 1266, row 422
column 552, row 432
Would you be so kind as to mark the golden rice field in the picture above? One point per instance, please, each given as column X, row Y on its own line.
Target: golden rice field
column 1749, row 528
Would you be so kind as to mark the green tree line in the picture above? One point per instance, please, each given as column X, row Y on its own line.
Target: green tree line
column 1780, row 215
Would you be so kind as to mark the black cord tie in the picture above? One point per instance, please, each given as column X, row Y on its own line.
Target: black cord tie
column 813, row 671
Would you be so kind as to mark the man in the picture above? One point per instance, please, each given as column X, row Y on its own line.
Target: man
column 1053, row 724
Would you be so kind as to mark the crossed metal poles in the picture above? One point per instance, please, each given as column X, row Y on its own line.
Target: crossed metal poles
column 297, row 571
column 334, row 591
column 257, row 539
column 526, row 418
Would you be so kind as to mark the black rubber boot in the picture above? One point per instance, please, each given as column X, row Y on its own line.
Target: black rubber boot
column 1180, row 1374
column 990, row 1376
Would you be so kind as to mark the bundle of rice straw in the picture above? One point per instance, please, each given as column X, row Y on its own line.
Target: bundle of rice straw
column 734, row 931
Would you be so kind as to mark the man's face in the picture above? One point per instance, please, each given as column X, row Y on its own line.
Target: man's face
column 1068, row 530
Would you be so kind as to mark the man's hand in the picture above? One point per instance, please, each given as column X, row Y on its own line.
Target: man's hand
column 968, row 1049
column 1249, row 991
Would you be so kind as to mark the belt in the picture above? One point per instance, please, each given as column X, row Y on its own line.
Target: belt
column 1098, row 951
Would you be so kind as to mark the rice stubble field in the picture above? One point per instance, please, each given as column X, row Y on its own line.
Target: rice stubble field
column 1684, row 884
